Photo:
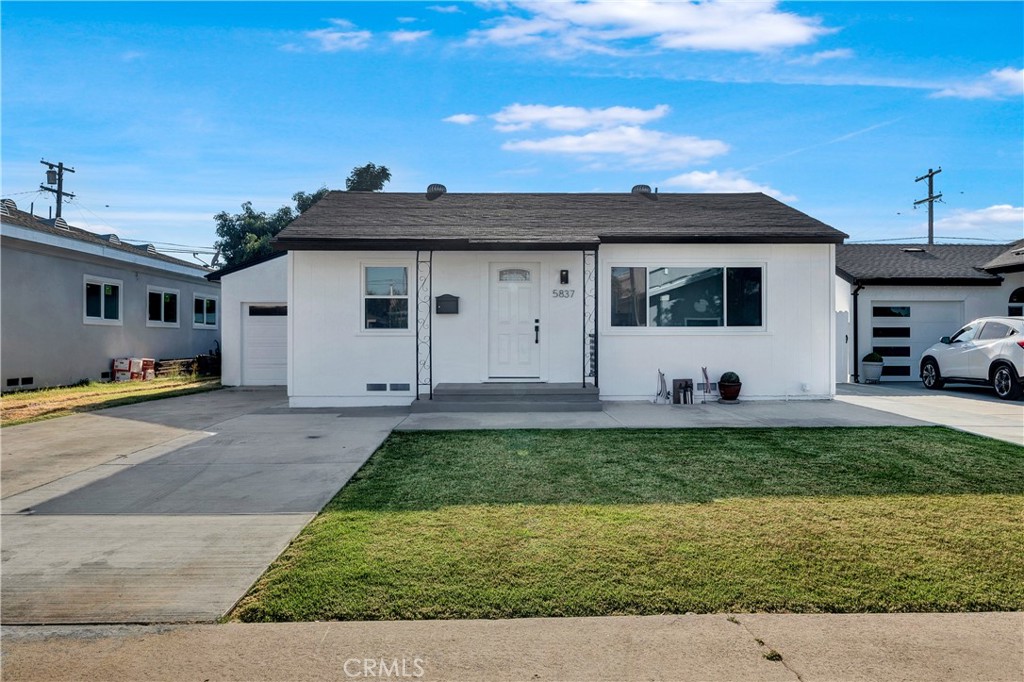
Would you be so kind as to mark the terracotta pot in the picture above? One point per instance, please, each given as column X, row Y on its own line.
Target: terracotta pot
column 729, row 391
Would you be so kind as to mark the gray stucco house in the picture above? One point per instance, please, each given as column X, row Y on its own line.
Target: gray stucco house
column 73, row 300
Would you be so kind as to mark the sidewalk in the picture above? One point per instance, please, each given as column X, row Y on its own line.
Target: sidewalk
column 934, row 647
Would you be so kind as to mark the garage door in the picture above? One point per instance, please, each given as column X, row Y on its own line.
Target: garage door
column 265, row 344
column 901, row 331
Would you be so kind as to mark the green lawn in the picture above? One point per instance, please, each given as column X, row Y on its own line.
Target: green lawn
column 488, row 524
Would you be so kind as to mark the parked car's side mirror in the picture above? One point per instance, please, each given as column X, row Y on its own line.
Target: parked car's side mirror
column 944, row 339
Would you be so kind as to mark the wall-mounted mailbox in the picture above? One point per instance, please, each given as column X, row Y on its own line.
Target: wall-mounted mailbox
column 447, row 305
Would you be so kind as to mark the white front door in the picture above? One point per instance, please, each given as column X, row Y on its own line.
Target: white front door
column 515, row 321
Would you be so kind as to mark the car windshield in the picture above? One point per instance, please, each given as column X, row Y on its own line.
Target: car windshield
column 965, row 334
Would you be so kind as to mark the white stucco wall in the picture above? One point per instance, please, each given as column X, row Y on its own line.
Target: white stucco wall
column 332, row 359
column 974, row 302
column 792, row 356
column 263, row 283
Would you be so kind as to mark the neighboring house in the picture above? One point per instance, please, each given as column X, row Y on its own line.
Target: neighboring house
column 391, row 295
column 73, row 300
column 899, row 299
column 254, row 321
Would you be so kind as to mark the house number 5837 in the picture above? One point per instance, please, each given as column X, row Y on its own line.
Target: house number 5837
column 563, row 293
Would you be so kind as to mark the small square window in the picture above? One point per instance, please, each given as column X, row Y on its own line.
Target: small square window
column 102, row 303
column 161, row 307
column 385, row 297
column 204, row 312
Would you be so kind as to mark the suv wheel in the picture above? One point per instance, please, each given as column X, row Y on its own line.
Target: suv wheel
column 930, row 376
column 1004, row 381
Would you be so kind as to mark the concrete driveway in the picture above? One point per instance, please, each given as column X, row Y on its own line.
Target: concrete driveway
column 165, row 511
column 973, row 409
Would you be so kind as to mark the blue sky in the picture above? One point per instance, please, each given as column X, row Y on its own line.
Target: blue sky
column 172, row 112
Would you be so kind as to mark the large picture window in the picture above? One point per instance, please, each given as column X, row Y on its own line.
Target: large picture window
column 161, row 307
column 385, row 297
column 102, row 301
column 671, row 296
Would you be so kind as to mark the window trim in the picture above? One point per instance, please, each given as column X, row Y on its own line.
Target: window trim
column 101, row 281
column 151, row 289
column 410, row 328
column 216, row 313
column 648, row 330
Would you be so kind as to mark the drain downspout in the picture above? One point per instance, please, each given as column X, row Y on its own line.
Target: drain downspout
column 856, row 335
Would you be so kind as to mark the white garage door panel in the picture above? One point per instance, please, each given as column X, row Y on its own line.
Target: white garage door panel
column 928, row 321
column 264, row 348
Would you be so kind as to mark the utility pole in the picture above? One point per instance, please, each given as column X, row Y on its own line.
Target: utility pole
column 930, row 199
column 55, row 176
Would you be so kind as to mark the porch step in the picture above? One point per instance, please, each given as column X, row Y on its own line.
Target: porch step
column 511, row 397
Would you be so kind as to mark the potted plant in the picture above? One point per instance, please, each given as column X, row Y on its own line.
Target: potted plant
column 872, row 364
column 729, row 386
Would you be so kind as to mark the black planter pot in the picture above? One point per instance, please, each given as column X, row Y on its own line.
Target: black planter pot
column 729, row 391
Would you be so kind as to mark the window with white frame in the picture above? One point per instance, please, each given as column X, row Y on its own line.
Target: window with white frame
column 161, row 307
column 102, row 300
column 679, row 296
column 204, row 312
column 385, row 297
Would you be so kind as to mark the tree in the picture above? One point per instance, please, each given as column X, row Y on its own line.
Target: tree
column 368, row 178
column 247, row 235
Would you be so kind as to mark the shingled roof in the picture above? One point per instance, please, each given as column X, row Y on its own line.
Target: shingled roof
column 14, row 216
column 372, row 220
column 1011, row 260
column 934, row 264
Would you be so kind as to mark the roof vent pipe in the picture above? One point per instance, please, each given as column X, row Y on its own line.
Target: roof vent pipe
column 435, row 190
column 644, row 191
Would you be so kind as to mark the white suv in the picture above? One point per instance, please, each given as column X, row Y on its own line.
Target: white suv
column 988, row 351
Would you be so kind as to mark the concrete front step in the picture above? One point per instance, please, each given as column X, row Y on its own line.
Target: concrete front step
column 511, row 397
column 424, row 405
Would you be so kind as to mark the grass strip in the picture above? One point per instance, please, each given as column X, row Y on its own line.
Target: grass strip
column 28, row 406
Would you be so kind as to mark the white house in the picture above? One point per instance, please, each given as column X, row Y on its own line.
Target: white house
column 72, row 301
column 899, row 299
column 391, row 297
column 254, row 305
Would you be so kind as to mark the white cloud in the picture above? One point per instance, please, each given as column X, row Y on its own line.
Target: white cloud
column 408, row 36
column 634, row 145
column 612, row 26
column 446, row 9
column 407, row 20
column 997, row 84
column 819, row 57
column 342, row 37
column 998, row 217
column 525, row 116
column 132, row 55
column 461, row 119
column 728, row 182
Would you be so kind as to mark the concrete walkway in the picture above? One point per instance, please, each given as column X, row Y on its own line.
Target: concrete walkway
column 973, row 409
column 933, row 647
